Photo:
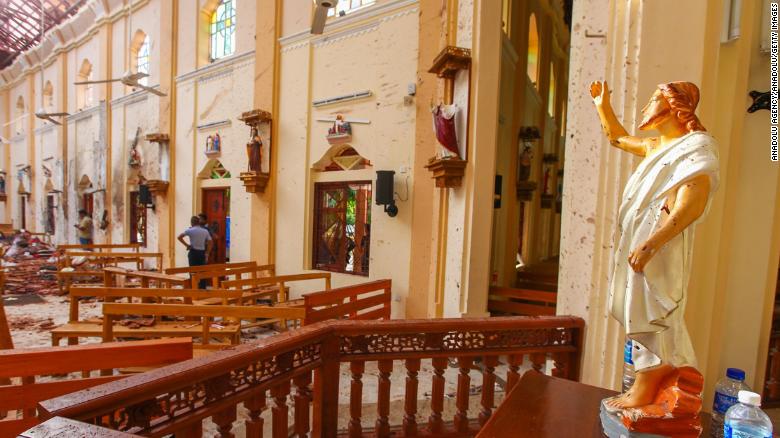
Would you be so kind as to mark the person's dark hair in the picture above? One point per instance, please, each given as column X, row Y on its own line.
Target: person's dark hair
column 195, row 220
column 82, row 211
column 202, row 215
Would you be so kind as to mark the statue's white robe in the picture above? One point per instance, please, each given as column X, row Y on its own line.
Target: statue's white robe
column 650, row 305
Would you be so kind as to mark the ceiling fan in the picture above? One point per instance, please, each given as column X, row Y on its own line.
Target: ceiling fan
column 41, row 113
column 129, row 78
column 321, row 15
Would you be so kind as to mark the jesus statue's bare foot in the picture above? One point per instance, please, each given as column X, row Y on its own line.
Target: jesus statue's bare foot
column 644, row 389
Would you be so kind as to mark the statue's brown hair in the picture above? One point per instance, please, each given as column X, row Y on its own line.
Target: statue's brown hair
column 683, row 97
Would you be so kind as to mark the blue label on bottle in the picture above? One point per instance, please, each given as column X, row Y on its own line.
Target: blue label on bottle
column 723, row 402
column 627, row 355
column 728, row 432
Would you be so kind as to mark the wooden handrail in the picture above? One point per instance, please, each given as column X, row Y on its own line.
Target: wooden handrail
column 66, row 247
column 175, row 399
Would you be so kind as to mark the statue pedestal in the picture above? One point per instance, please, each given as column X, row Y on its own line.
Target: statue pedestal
column 674, row 412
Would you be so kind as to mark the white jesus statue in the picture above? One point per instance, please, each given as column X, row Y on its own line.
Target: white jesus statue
column 668, row 193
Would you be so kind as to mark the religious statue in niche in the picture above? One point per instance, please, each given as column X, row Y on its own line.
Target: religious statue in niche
column 213, row 144
column 667, row 194
column 135, row 156
column 340, row 132
column 254, row 150
column 444, row 118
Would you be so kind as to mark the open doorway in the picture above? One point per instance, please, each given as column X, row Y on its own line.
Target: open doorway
column 529, row 157
column 216, row 206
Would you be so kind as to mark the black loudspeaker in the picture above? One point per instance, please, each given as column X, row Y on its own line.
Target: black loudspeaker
column 384, row 187
column 144, row 195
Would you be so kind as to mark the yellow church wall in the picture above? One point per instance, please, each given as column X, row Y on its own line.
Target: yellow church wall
column 365, row 54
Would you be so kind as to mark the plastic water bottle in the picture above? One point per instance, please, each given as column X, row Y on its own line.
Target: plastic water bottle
column 746, row 420
column 726, row 391
column 628, row 366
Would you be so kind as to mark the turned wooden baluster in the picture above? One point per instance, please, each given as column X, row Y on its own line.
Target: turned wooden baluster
column 538, row 360
column 256, row 406
column 437, row 394
column 512, row 375
column 560, row 365
column 279, row 411
column 461, row 419
column 224, row 420
column 488, row 388
column 302, row 402
column 356, row 398
column 383, row 398
column 410, row 399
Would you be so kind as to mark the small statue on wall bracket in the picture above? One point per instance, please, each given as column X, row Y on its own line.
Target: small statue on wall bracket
column 444, row 125
column 668, row 193
column 340, row 132
column 254, row 151
column 135, row 157
column 213, row 144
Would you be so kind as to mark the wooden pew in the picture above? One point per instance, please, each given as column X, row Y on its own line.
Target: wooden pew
column 76, row 328
column 361, row 301
column 146, row 279
column 521, row 302
column 202, row 268
column 215, row 277
column 28, row 364
column 104, row 259
column 230, row 315
column 69, row 279
column 264, row 285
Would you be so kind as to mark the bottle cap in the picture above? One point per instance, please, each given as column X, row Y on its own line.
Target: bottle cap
column 735, row 373
column 749, row 398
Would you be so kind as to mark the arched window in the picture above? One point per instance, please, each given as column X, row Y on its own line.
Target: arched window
column 142, row 57
column 222, row 29
column 19, row 115
column 533, row 51
column 48, row 97
column 84, row 97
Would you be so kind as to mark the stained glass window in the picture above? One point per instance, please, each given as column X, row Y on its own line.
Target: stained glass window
column 142, row 60
column 223, row 30
column 346, row 6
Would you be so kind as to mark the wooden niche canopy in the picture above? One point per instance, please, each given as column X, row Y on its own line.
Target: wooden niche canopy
column 448, row 171
column 157, row 186
column 255, row 181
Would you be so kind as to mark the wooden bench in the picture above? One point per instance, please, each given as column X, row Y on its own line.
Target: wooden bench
column 201, row 268
column 521, row 302
column 228, row 327
column 76, row 328
column 215, row 277
column 146, row 279
column 28, row 364
column 361, row 301
column 105, row 259
column 107, row 247
column 256, row 287
column 68, row 279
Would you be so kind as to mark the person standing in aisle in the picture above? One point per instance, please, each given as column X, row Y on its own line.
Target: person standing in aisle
column 85, row 228
column 199, row 245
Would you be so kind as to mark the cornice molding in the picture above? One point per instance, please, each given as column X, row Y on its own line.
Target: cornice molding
column 218, row 68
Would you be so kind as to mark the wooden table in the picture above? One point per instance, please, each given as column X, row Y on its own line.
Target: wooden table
column 541, row 406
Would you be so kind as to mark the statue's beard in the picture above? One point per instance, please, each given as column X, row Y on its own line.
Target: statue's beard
column 651, row 119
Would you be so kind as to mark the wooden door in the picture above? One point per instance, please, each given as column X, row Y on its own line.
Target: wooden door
column 23, row 211
column 216, row 205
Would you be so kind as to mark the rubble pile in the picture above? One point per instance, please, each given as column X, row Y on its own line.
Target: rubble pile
column 30, row 266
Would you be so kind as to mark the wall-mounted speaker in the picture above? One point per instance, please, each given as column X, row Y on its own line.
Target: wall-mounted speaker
column 384, row 191
column 144, row 195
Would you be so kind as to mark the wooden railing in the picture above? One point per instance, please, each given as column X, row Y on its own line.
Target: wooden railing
column 176, row 398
